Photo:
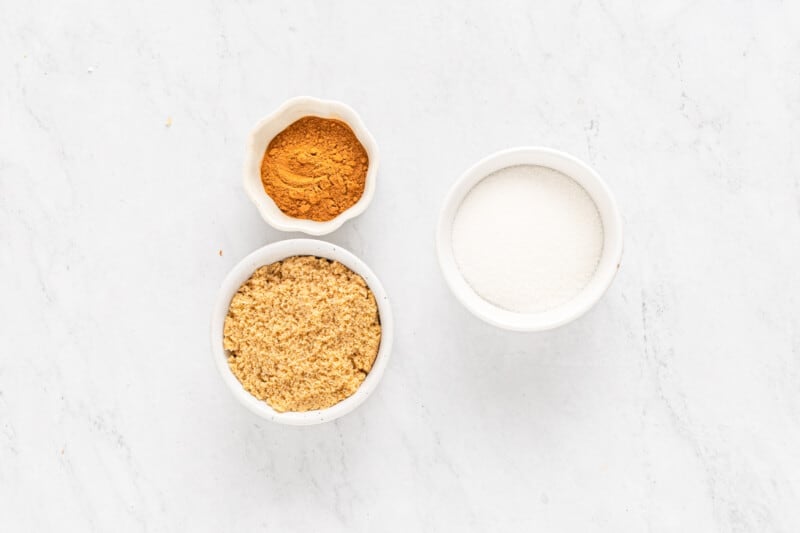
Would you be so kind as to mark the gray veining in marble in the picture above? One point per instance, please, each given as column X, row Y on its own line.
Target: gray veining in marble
column 673, row 406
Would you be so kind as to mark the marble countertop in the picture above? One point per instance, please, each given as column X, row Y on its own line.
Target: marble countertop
column 673, row 406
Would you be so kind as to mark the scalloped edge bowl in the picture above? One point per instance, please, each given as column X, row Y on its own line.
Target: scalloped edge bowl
column 270, row 126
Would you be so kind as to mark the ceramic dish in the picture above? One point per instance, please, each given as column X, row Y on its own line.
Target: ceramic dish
column 289, row 112
column 606, row 268
column 277, row 252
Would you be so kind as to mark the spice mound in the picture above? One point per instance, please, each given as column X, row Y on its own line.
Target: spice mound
column 315, row 169
column 302, row 333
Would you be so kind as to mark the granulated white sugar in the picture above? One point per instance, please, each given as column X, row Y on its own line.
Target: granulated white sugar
column 527, row 238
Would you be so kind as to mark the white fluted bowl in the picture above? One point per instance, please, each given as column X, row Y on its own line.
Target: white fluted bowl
column 270, row 126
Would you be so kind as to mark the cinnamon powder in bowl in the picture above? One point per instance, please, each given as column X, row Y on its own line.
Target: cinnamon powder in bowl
column 310, row 166
column 315, row 169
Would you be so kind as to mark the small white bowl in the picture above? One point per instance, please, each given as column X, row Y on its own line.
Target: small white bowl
column 606, row 268
column 276, row 252
column 266, row 130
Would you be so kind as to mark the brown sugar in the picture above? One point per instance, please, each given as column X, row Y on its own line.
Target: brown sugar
column 302, row 333
column 315, row 169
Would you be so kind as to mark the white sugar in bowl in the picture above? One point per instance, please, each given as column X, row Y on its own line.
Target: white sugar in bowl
column 529, row 239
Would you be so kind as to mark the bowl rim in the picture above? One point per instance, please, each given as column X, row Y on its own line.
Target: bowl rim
column 265, row 130
column 607, row 268
column 278, row 251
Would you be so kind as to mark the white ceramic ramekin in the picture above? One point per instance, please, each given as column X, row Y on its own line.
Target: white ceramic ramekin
column 276, row 252
column 606, row 269
column 268, row 127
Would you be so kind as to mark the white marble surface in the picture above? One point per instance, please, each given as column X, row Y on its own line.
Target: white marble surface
column 673, row 406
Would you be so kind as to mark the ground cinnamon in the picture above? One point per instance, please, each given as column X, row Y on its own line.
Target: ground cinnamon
column 315, row 169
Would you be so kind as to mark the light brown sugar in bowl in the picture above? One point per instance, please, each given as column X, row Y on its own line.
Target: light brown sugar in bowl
column 302, row 333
